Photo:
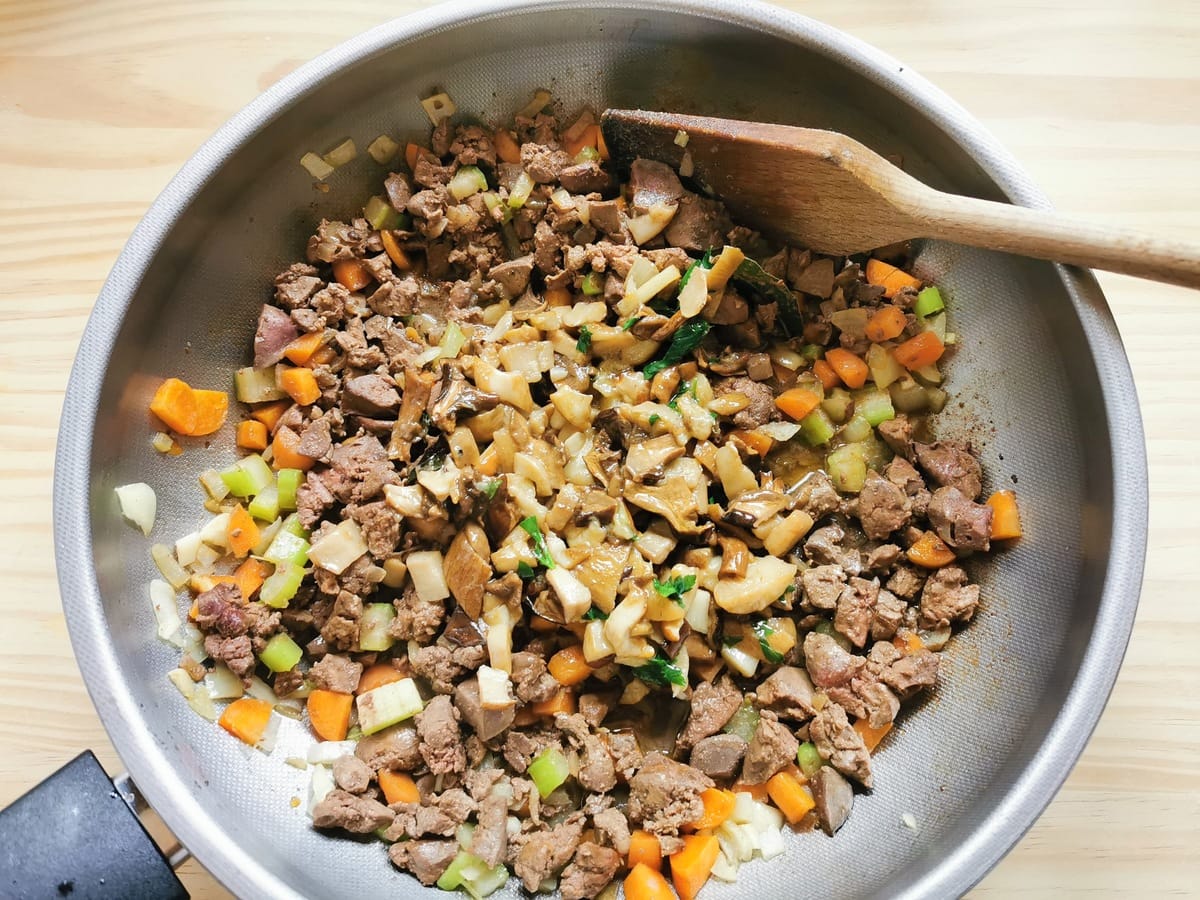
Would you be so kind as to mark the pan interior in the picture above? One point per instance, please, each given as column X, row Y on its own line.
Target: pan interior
column 1024, row 386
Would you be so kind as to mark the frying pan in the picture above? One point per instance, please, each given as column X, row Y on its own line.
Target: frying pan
column 1045, row 390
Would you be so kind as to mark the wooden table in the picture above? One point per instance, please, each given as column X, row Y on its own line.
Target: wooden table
column 101, row 102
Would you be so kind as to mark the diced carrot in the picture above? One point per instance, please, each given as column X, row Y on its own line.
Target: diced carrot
column 645, row 883
column 871, row 736
column 242, row 533
column 246, row 719
column 586, row 138
column 930, row 552
column 1006, row 521
column 175, row 403
column 718, row 806
column 561, row 702
column 887, row 324
column 201, row 583
column 558, row 297
column 601, row 145
column 791, row 796
column 754, row 440
column 645, row 850
column 300, row 384
column 211, row 409
column 329, row 713
column 798, row 402
column 850, row 367
column 322, row 357
column 506, row 146
column 825, row 374
column 569, row 666
column 249, row 577
column 392, row 247
column 270, row 413
column 757, row 791
column 352, row 274
column 377, row 676
column 412, row 152
column 489, row 461
column 194, row 612
column 890, row 278
column 301, row 350
column 908, row 642
column 921, row 350
column 398, row 787
column 287, row 455
column 691, row 866
column 537, row 623
column 252, row 435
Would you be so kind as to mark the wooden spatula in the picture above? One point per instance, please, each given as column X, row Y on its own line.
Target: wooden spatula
column 827, row 192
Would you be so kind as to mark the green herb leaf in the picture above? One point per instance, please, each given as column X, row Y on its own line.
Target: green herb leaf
column 686, row 339
column 731, row 640
column 584, row 344
column 704, row 262
column 525, row 570
column 594, row 613
column 490, row 488
column 654, row 417
column 675, row 588
column 764, row 632
column 530, row 526
column 661, row 672
column 769, row 289
column 630, row 322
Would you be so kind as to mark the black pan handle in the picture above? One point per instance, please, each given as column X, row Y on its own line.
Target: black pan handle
column 77, row 835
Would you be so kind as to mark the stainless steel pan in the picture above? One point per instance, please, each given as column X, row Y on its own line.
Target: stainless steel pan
column 1045, row 385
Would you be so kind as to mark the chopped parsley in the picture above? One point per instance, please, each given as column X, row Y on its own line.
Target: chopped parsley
column 491, row 487
column 584, row 344
column 764, row 632
column 593, row 613
column 686, row 339
column 525, row 570
column 530, row 526
column 661, row 672
column 654, row 417
column 675, row 588
column 630, row 322
column 704, row 262
column 731, row 640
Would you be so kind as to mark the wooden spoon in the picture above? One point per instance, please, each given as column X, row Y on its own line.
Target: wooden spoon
column 828, row 192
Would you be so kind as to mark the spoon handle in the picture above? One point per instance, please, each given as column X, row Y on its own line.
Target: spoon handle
column 1046, row 234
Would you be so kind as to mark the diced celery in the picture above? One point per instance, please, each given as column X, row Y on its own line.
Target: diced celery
column 549, row 770
column 743, row 723
column 520, row 191
column 937, row 399
column 592, row 284
column 453, row 340
column 265, row 504
column 857, row 429
column 884, row 368
column 452, row 878
column 847, row 468
column 381, row 215
column 875, row 453
column 287, row 548
column 487, row 882
column 492, row 201
column 281, row 586
column 292, row 526
column 929, row 301
column 874, row 405
column 388, row 704
column 467, row 181
column 281, row 653
column 247, row 476
column 908, row 396
column 257, row 385
column 812, row 352
column 937, row 324
column 373, row 627
column 808, row 759
column 587, row 154
column 287, row 482
column 817, row 427
column 837, row 404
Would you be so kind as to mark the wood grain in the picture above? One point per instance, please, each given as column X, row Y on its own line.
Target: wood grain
column 101, row 102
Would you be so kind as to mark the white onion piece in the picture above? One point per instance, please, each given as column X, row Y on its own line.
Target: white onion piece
column 166, row 612
column 138, row 504
column 320, row 784
column 325, row 753
column 223, row 684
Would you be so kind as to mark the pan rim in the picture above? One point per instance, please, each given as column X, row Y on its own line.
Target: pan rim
column 168, row 792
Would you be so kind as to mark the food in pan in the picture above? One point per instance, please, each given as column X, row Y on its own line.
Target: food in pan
column 598, row 536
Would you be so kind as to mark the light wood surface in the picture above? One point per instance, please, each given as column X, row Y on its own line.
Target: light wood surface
column 101, row 102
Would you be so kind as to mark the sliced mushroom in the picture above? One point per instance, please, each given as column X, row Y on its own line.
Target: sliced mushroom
column 468, row 568
column 751, row 508
column 458, row 397
column 646, row 460
column 672, row 499
column 766, row 580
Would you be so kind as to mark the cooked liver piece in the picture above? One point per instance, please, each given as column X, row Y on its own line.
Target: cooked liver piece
column 664, row 794
column 719, row 756
column 834, row 798
column 772, row 747
column 350, row 812
column 713, row 704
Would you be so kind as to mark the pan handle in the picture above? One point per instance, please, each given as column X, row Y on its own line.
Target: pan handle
column 77, row 835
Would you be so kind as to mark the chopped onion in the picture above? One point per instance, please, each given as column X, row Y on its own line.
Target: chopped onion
column 320, row 784
column 694, row 294
column 317, row 167
column 495, row 689
column 170, row 569
column 341, row 154
column 681, row 138
column 187, row 547
column 382, row 149
column 326, row 753
column 260, row 690
column 223, row 684
column 779, row 431
column 654, row 286
column 438, row 107
column 686, row 165
column 427, row 571
column 196, row 695
column 214, row 484
column 651, row 222
column 215, row 532
column 138, row 504
column 909, row 820
column 166, row 612
column 162, row 442
column 339, row 548
column 534, row 106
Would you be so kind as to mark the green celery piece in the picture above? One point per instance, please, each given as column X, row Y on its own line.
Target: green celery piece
column 452, row 878
column 847, row 468
column 292, row 526
column 287, row 548
column 592, row 284
column 257, row 385
column 487, row 883
column 281, row 653
column 381, row 215
column 808, row 759
column 817, row 427
column 247, row 476
column 287, row 482
column 549, row 770
column 837, row 404
column 388, row 704
column 929, row 301
column 281, row 586
column 744, row 722
column 467, row 181
column 769, row 289
column 875, row 406
column 587, row 154
column 857, row 429
column 373, row 627
column 265, row 505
